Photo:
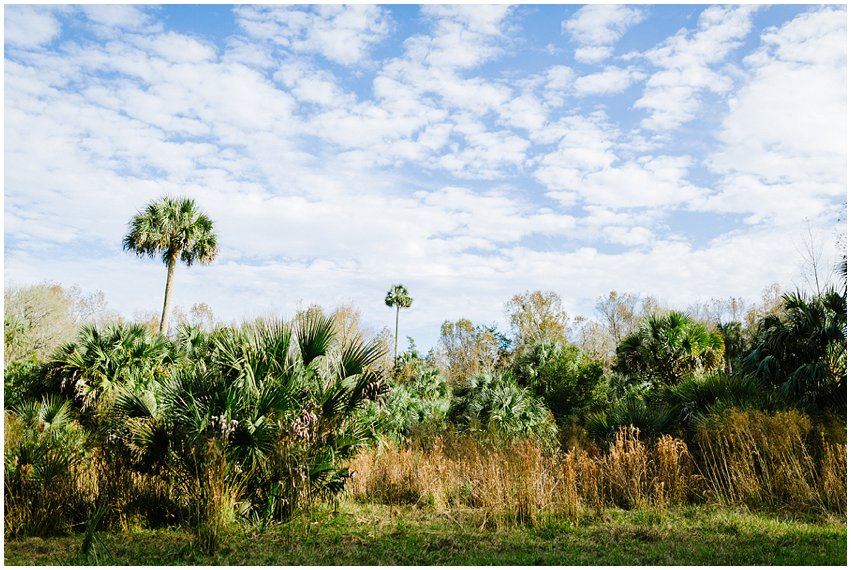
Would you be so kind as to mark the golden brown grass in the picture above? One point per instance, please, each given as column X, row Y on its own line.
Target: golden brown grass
column 749, row 458
column 760, row 459
column 521, row 483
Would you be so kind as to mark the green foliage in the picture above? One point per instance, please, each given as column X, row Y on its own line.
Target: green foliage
column 415, row 408
column 23, row 379
column 802, row 352
column 649, row 416
column 494, row 405
column 102, row 360
column 569, row 382
column 398, row 296
column 172, row 228
column 276, row 403
column 735, row 345
column 44, row 453
column 695, row 397
column 667, row 348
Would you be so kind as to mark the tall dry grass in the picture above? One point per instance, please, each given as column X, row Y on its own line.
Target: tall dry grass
column 768, row 460
column 521, row 483
column 215, row 492
column 748, row 458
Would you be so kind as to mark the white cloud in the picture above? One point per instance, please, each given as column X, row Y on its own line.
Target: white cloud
column 783, row 150
column 176, row 48
column 342, row 34
column 328, row 184
column 597, row 27
column 313, row 85
column 111, row 20
column 610, row 80
column 586, row 166
column 29, row 26
column 672, row 95
column 464, row 36
column 486, row 154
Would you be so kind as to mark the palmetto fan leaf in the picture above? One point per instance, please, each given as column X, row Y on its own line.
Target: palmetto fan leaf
column 150, row 441
column 497, row 404
column 358, row 356
column 669, row 347
column 315, row 335
column 136, row 404
column 51, row 413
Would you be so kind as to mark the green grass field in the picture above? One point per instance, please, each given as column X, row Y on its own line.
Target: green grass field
column 378, row 534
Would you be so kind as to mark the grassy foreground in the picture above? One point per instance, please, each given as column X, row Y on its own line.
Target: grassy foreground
column 378, row 534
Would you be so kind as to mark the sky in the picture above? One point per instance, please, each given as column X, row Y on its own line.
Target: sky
column 468, row 152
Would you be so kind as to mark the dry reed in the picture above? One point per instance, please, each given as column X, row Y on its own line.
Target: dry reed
column 520, row 483
column 764, row 460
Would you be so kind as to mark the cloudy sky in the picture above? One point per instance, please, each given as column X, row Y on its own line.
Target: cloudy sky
column 468, row 152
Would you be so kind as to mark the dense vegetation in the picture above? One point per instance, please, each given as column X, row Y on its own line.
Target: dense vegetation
column 215, row 428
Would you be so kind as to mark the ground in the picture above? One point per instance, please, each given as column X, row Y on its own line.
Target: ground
column 358, row 534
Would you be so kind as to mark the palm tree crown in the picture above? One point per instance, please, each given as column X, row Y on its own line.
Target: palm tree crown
column 667, row 348
column 397, row 297
column 176, row 229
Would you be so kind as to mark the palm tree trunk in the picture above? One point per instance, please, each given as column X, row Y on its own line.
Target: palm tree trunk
column 169, row 281
column 396, row 343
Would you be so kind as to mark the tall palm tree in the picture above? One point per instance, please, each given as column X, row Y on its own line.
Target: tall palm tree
column 174, row 228
column 397, row 297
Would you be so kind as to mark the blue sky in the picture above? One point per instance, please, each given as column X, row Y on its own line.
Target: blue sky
column 469, row 152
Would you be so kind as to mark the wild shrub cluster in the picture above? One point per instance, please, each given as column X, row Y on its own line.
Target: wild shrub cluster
column 250, row 424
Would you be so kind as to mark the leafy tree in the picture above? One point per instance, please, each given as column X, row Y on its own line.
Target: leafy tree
column 620, row 314
column 465, row 349
column 771, row 303
column 667, row 348
column 803, row 351
column 535, row 317
column 40, row 318
column 593, row 339
column 569, row 382
column 175, row 229
column 22, row 380
column 397, row 297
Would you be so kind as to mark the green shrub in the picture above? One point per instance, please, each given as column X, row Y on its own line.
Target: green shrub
column 569, row 382
column 23, row 379
column 46, row 475
column 494, row 405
